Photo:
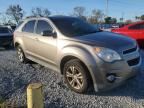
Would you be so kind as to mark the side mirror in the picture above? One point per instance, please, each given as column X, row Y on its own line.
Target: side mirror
column 48, row 33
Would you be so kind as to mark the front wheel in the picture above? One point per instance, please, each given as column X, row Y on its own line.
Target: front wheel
column 20, row 54
column 76, row 76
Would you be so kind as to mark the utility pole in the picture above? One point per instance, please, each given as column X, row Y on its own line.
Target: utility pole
column 107, row 8
column 123, row 16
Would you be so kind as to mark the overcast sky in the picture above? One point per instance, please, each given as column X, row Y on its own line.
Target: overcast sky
column 117, row 8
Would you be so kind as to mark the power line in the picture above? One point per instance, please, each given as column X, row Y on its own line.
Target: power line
column 124, row 3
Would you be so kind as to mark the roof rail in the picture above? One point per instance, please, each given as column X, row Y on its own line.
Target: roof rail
column 35, row 17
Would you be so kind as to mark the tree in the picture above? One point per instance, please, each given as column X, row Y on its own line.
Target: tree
column 79, row 11
column 142, row 17
column 97, row 16
column 46, row 12
column 113, row 21
column 40, row 12
column 3, row 19
column 137, row 17
column 108, row 20
column 15, row 12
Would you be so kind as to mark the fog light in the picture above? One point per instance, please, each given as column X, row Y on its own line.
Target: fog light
column 111, row 78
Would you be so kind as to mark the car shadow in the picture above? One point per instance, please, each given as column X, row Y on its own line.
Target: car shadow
column 126, row 90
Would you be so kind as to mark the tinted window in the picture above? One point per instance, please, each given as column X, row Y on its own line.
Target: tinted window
column 29, row 27
column 4, row 30
column 141, row 26
column 73, row 26
column 138, row 26
column 42, row 26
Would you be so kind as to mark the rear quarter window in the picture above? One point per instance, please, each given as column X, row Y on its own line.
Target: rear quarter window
column 137, row 27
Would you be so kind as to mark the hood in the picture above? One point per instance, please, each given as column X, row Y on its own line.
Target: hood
column 108, row 40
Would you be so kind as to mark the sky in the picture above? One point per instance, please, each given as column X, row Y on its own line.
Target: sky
column 116, row 8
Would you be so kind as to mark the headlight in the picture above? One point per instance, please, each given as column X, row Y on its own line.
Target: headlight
column 106, row 54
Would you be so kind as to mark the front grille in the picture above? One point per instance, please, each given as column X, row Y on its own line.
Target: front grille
column 130, row 50
column 133, row 61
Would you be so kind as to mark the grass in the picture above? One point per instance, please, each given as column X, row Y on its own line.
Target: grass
column 2, row 102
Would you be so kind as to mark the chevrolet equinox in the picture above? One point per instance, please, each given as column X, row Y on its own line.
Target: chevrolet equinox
column 85, row 56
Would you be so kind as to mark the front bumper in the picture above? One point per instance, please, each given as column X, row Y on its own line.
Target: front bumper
column 121, row 69
column 5, row 41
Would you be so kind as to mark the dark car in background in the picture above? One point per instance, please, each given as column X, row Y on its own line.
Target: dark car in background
column 108, row 27
column 6, row 37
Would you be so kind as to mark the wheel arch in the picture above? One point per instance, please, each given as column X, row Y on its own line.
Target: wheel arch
column 18, row 41
column 16, row 44
column 85, row 62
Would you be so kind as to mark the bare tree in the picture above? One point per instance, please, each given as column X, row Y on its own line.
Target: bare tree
column 40, row 12
column 4, row 19
column 79, row 11
column 96, row 17
column 15, row 12
column 46, row 12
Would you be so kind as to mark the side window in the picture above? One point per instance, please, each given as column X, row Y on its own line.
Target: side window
column 43, row 26
column 137, row 27
column 142, row 26
column 29, row 26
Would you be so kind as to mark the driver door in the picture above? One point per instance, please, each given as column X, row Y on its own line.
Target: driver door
column 46, row 46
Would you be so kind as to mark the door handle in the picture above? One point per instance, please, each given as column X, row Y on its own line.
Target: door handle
column 36, row 39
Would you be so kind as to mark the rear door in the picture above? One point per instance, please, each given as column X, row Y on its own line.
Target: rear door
column 29, row 37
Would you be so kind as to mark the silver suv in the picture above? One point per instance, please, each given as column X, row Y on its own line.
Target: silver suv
column 85, row 56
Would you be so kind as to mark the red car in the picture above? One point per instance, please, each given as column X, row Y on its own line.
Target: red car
column 135, row 30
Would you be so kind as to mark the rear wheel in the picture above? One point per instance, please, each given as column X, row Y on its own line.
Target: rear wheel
column 76, row 76
column 21, row 55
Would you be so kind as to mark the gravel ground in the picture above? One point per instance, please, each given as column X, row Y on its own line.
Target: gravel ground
column 14, row 78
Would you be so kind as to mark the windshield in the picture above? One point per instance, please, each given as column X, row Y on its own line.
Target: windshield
column 73, row 26
column 4, row 30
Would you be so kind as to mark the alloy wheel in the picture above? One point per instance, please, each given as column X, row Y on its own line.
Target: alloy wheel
column 20, row 54
column 74, row 77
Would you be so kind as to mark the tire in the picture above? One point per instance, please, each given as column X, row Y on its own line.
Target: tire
column 21, row 55
column 76, row 76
